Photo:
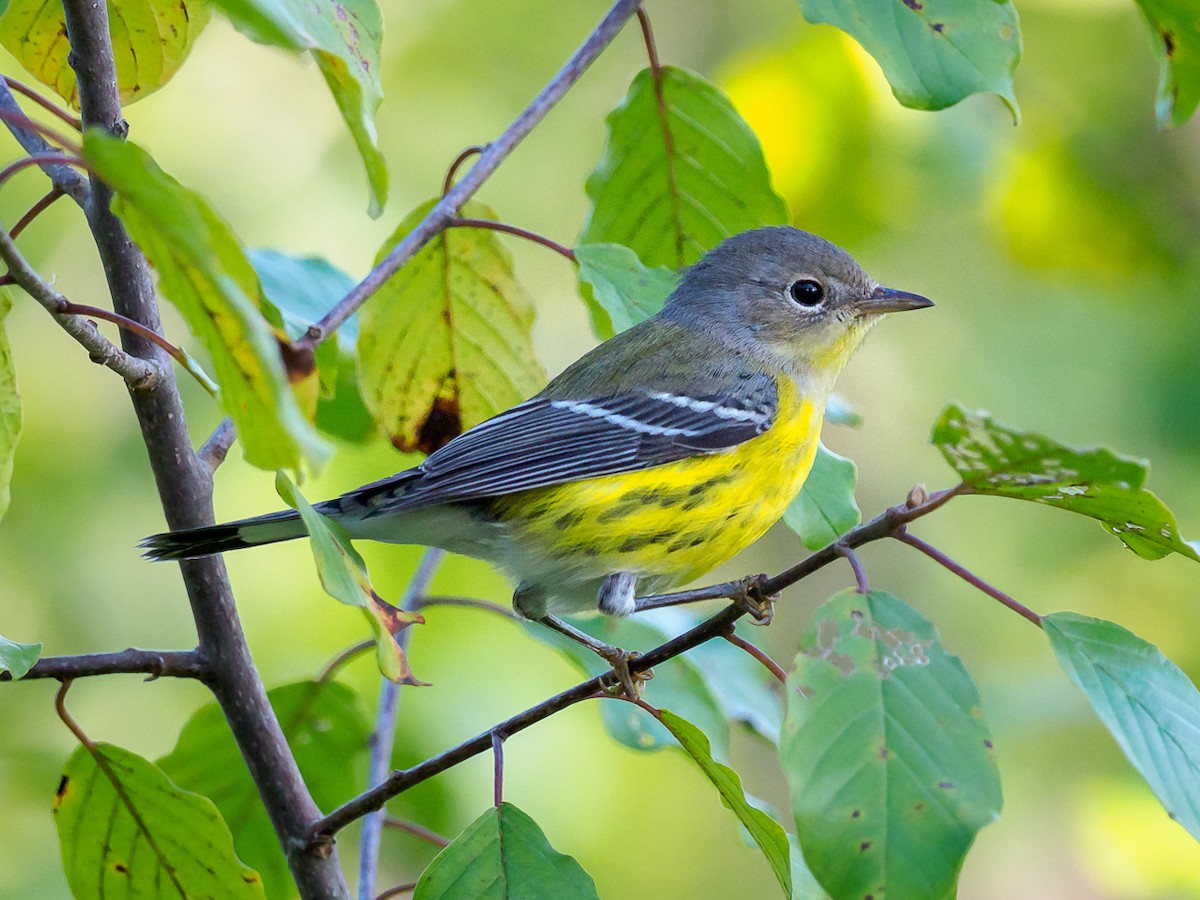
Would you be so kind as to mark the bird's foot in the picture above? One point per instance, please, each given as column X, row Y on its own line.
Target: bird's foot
column 623, row 680
column 749, row 598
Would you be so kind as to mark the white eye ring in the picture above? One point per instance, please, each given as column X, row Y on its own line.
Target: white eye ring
column 807, row 292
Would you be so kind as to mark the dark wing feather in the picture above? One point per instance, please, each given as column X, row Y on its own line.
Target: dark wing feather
column 547, row 441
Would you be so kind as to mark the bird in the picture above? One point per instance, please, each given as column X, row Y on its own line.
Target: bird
column 650, row 460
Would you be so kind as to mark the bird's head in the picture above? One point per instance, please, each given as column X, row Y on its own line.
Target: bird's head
column 790, row 293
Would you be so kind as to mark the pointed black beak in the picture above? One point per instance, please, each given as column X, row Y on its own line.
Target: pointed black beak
column 886, row 300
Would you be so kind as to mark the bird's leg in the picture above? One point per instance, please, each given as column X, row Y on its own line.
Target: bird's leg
column 617, row 592
column 619, row 659
column 750, row 599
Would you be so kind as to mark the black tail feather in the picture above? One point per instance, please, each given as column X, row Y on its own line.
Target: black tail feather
column 192, row 543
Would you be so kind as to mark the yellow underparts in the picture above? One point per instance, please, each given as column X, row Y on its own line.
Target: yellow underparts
column 675, row 521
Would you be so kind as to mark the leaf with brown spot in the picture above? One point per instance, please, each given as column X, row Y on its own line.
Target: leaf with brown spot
column 1175, row 34
column 445, row 344
column 151, row 39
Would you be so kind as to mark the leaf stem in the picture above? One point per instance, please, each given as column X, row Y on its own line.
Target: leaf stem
column 39, row 159
column 349, row 654
column 497, row 768
column 452, row 171
column 972, row 579
column 398, row 890
column 664, row 121
column 30, row 138
column 416, row 830
column 20, row 120
column 43, row 102
column 860, row 573
column 36, row 210
column 773, row 667
column 468, row 602
column 558, row 248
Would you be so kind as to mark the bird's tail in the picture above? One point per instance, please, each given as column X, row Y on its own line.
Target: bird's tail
column 191, row 543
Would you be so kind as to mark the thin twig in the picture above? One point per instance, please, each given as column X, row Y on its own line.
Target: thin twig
column 883, row 525
column 452, row 171
column 416, row 830
column 497, row 151
column 67, row 308
column 969, row 577
column 22, row 121
column 151, row 663
column 36, row 210
column 398, row 890
column 38, row 159
column 43, row 102
column 758, row 653
column 138, row 373
column 214, row 450
column 497, row 768
column 558, row 248
column 468, row 602
column 25, row 131
column 664, row 121
column 349, row 654
column 384, row 735
column 860, row 573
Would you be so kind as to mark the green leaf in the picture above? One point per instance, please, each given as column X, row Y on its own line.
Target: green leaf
column 825, row 508
column 503, row 855
column 445, row 342
column 18, row 658
column 345, row 38
column 623, row 290
column 10, row 407
column 669, row 199
column 884, row 746
column 1175, row 31
column 204, row 271
column 1143, row 699
column 304, row 289
column 767, row 833
column 344, row 577
column 127, row 831
column 1000, row 461
column 933, row 52
column 804, row 884
column 328, row 735
column 151, row 39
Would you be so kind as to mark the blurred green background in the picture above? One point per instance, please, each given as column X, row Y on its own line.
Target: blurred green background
column 1064, row 255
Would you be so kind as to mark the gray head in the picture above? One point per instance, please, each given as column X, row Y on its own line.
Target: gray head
column 788, row 292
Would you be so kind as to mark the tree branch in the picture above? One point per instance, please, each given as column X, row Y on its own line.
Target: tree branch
column 495, row 153
column 185, row 487
column 154, row 663
column 65, row 178
column 887, row 524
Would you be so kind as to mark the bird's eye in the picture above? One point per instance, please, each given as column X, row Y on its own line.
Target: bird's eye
column 807, row 292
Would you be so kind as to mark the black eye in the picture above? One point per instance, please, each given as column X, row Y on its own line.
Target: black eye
column 807, row 292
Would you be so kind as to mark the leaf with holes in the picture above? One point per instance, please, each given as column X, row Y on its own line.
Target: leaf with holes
column 679, row 174
column 933, row 52
column 126, row 831
column 1145, row 700
column 767, row 833
column 10, row 407
column 303, row 289
column 825, row 508
column 445, row 344
column 1000, row 461
column 151, row 39
column 204, row 271
column 623, row 290
column 328, row 735
column 890, row 763
column 18, row 658
column 345, row 38
column 344, row 576
column 501, row 855
column 1175, row 33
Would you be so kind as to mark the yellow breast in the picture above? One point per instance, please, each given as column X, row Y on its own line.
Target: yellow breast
column 675, row 521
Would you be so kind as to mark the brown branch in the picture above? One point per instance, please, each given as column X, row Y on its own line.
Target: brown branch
column 416, row 830
column 856, row 566
column 452, row 171
column 398, row 890
column 139, row 374
column 50, row 107
column 439, row 217
column 152, row 663
column 773, row 667
column 514, row 230
column 664, row 121
column 185, row 489
column 468, row 602
column 36, row 210
column 969, row 577
column 38, row 159
column 886, row 524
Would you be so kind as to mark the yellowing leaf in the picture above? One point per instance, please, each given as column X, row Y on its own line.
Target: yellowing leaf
column 204, row 271
column 444, row 344
column 1175, row 27
column 151, row 39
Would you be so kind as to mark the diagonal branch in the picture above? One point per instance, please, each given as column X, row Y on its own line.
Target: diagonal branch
column 489, row 160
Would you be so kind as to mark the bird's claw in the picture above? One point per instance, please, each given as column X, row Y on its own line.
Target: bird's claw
column 751, row 600
column 622, row 680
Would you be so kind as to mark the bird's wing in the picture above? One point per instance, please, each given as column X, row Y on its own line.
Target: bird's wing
column 548, row 440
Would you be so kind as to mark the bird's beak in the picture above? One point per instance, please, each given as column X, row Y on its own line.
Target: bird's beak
column 886, row 300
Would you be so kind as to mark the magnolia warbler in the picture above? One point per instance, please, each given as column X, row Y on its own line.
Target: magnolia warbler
column 658, row 455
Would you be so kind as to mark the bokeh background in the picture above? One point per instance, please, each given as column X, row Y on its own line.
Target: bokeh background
column 1064, row 255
